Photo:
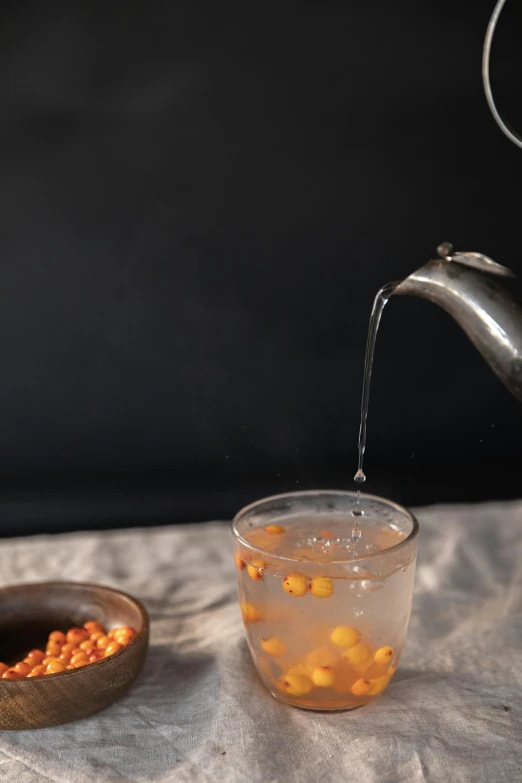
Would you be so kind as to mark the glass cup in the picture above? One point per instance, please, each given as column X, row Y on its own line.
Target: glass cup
column 325, row 586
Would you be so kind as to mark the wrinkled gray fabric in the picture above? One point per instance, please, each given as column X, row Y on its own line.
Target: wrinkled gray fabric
column 198, row 713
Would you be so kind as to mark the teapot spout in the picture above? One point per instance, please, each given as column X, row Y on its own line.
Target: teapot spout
column 487, row 313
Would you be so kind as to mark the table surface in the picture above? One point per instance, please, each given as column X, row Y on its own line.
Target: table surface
column 453, row 712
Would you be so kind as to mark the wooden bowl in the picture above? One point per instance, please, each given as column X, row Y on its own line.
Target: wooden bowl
column 28, row 613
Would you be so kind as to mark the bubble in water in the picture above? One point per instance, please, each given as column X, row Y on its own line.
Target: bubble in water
column 359, row 477
column 356, row 534
column 371, row 585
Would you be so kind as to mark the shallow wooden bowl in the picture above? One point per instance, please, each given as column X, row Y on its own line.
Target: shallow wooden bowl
column 28, row 613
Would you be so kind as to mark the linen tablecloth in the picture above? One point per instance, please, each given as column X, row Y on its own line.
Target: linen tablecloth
column 453, row 712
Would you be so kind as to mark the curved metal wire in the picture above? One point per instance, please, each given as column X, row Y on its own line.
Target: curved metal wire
column 486, row 52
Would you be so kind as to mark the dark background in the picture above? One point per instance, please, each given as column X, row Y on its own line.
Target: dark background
column 198, row 204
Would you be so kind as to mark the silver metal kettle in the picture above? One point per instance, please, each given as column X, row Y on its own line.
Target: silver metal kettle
column 465, row 285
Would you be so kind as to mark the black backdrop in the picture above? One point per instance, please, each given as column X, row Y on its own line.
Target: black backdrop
column 198, row 203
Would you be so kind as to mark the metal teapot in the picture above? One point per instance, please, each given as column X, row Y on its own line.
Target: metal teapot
column 465, row 285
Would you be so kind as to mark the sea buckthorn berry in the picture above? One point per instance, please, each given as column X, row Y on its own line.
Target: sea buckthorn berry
column 112, row 648
column 345, row 636
column 81, row 656
column 38, row 671
column 240, row 564
column 22, row 668
column 12, row 674
column 69, row 667
column 295, row 585
column 68, row 647
column 3, row 668
column 65, row 656
column 251, row 614
column 255, row 569
column 323, row 676
column 124, row 635
column 273, row 646
column 55, row 666
column 47, row 659
column 321, row 587
column 57, row 636
column 357, row 655
column 296, row 684
column 361, row 687
column 79, row 664
column 300, row 668
column 93, row 657
column 98, row 634
column 379, row 684
column 35, row 655
column 53, row 648
column 86, row 645
column 274, row 530
column 77, row 635
column 91, row 626
column 384, row 655
column 103, row 642
column 322, row 656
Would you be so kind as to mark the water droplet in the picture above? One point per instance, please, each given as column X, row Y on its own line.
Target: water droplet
column 356, row 534
column 371, row 585
column 359, row 477
column 357, row 512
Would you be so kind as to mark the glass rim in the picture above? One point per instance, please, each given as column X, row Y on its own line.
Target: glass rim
column 412, row 535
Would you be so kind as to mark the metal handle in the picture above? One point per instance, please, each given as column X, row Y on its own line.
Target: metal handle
column 514, row 137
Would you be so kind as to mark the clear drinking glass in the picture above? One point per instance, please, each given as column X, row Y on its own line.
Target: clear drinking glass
column 325, row 588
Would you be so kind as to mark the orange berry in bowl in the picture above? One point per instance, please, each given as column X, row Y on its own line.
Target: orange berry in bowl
column 35, row 656
column 86, row 645
column 57, row 636
column 47, row 660
column 38, row 671
column 125, row 634
column 91, row 626
column 80, row 656
column 22, row 668
column 12, row 674
column 103, row 642
column 53, row 648
column 3, row 668
column 55, row 666
column 112, row 648
column 77, row 635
